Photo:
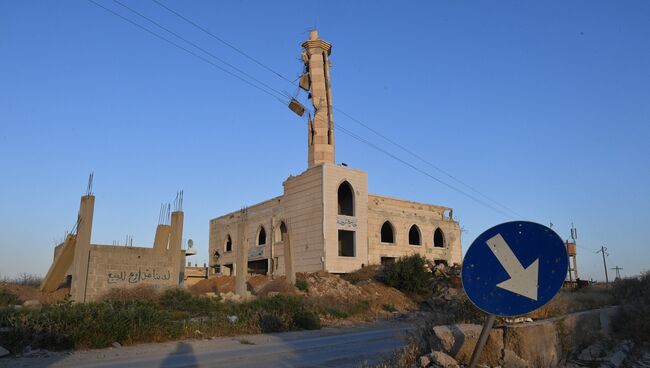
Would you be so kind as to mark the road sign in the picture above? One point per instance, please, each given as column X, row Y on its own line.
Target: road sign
column 514, row 268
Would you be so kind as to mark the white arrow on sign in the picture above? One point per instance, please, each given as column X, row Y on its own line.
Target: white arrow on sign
column 522, row 281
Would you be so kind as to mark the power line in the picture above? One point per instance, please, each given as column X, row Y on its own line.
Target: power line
column 398, row 145
column 222, row 41
column 344, row 130
column 186, row 50
column 196, row 46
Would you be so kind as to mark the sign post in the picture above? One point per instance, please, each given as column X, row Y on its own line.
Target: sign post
column 512, row 269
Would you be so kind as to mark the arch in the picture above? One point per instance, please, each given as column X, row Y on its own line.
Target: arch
column 387, row 233
column 415, row 237
column 438, row 238
column 283, row 230
column 346, row 199
column 261, row 236
column 227, row 246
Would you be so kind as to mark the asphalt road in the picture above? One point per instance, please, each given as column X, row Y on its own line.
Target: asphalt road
column 330, row 347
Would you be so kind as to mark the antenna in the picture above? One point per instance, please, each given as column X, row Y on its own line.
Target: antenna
column 574, row 232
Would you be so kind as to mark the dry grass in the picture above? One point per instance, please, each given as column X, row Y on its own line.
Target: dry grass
column 364, row 274
column 30, row 292
column 570, row 301
column 140, row 292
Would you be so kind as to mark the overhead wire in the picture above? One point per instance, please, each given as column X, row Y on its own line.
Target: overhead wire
column 366, row 126
column 343, row 129
column 186, row 50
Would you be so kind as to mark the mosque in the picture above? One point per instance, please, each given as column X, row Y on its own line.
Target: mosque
column 326, row 220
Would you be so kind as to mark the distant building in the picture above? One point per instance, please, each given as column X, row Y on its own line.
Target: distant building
column 334, row 224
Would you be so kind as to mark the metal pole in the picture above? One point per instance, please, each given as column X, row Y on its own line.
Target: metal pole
column 485, row 332
column 602, row 250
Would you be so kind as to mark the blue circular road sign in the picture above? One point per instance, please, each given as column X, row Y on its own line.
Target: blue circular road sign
column 514, row 268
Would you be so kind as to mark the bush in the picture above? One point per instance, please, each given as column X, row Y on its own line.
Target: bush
column 409, row 274
column 302, row 285
column 141, row 292
column 306, row 319
column 181, row 300
column 388, row 308
column 634, row 296
column 8, row 297
column 368, row 273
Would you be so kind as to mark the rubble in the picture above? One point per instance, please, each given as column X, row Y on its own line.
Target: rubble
column 3, row 352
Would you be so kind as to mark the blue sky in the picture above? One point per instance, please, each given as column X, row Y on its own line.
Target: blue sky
column 543, row 107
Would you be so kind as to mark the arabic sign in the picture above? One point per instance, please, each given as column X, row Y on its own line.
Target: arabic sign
column 134, row 277
column 514, row 268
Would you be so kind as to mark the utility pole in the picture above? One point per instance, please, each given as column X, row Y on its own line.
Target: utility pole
column 603, row 250
column 618, row 273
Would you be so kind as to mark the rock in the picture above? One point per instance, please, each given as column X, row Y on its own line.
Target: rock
column 591, row 352
column 116, row 345
column 233, row 319
column 536, row 343
column 3, row 352
column 442, row 360
column 32, row 304
column 273, row 293
column 459, row 341
column 511, row 360
column 424, row 361
column 616, row 357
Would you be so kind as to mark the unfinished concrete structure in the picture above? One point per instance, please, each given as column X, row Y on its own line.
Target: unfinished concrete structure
column 326, row 219
column 95, row 268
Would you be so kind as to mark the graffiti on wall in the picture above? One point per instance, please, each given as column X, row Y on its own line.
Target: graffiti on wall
column 138, row 276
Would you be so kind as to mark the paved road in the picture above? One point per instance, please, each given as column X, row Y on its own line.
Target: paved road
column 330, row 347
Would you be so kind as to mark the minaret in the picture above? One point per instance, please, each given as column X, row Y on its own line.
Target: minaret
column 321, row 128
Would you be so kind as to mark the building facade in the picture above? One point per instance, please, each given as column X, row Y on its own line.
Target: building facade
column 334, row 224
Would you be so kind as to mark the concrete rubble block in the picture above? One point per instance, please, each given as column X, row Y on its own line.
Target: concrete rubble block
column 458, row 341
column 442, row 360
column 536, row 343
column 511, row 360
column 32, row 304
column 592, row 352
column 578, row 329
column 3, row 352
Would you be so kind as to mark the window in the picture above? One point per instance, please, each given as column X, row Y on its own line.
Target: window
column 346, row 199
column 414, row 235
column 438, row 239
column 283, row 231
column 261, row 236
column 228, row 246
column 387, row 233
column 346, row 243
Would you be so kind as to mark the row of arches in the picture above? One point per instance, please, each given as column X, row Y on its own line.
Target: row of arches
column 261, row 237
column 387, row 235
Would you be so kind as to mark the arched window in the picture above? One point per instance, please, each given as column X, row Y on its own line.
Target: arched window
column 346, row 199
column 283, row 231
column 438, row 238
column 414, row 236
column 228, row 246
column 387, row 233
column 261, row 236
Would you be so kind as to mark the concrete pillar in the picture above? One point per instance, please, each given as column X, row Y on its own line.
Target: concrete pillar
column 61, row 264
column 175, row 245
column 161, row 240
column 82, row 249
column 289, row 269
column 241, row 259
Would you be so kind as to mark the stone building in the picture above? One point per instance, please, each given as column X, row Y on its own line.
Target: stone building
column 333, row 222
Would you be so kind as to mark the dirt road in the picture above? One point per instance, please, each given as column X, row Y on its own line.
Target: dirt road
column 329, row 347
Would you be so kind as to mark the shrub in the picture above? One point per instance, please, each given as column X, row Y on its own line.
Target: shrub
column 306, row 319
column 368, row 273
column 140, row 292
column 8, row 297
column 302, row 285
column 388, row 308
column 634, row 297
column 409, row 274
column 180, row 300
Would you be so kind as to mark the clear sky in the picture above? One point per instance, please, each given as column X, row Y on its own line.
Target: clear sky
column 543, row 107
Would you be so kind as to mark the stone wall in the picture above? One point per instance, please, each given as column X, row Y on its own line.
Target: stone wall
column 123, row 267
column 402, row 215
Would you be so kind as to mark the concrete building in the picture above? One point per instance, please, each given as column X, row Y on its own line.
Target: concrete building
column 333, row 222
column 94, row 269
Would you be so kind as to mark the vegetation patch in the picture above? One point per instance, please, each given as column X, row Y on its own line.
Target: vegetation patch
column 633, row 294
column 409, row 274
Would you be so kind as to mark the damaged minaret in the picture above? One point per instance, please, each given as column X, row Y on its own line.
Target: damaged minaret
column 317, row 82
